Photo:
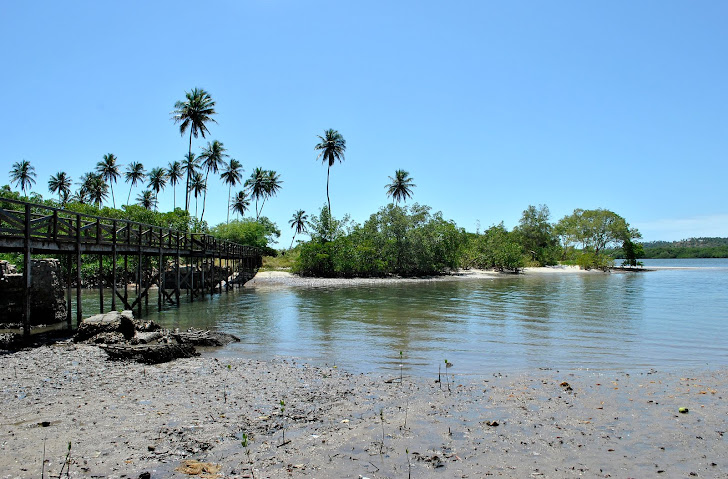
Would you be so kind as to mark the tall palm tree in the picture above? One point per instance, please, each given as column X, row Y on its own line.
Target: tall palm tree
column 198, row 185
column 157, row 181
column 256, row 184
column 196, row 110
column 146, row 200
column 272, row 186
column 60, row 183
column 241, row 203
column 189, row 168
column 135, row 173
column 401, row 186
column 231, row 176
column 212, row 159
column 23, row 175
column 109, row 171
column 298, row 222
column 332, row 148
column 174, row 173
column 94, row 188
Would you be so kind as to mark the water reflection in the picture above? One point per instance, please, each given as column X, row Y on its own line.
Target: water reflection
column 617, row 321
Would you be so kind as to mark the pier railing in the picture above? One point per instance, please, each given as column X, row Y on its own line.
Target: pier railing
column 49, row 230
column 29, row 229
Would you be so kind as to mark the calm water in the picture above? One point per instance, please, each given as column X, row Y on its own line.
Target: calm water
column 665, row 319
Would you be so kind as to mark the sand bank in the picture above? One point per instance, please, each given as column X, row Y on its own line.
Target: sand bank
column 126, row 419
column 282, row 278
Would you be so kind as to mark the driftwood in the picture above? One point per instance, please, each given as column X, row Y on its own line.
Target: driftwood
column 149, row 353
column 204, row 338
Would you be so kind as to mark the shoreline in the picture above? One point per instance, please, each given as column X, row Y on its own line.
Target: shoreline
column 284, row 278
column 124, row 419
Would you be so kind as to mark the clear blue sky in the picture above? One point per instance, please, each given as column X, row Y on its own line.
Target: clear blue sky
column 491, row 106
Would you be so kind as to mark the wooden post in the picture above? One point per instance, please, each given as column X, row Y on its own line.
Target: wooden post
column 26, row 274
column 177, row 286
column 113, row 267
column 79, row 306
column 69, row 281
column 160, row 277
column 101, row 284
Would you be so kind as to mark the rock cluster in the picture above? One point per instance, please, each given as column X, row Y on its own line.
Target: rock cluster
column 123, row 337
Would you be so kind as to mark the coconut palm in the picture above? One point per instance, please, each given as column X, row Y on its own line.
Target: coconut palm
column 94, row 189
column 135, row 173
column 332, row 148
column 174, row 173
column 298, row 222
column 146, row 200
column 198, row 185
column 231, row 176
column 189, row 167
column 401, row 186
column 241, row 203
column 60, row 183
column 109, row 171
column 272, row 186
column 23, row 175
column 256, row 184
column 157, row 181
column 196, row 110
column 212, row 159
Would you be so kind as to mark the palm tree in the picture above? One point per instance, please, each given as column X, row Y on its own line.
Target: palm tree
column 157, row 181
column 332, row 148
column 109, row 171
column 212, row 159
column 272, row 186
column 401, row 186
column 256, row 185
column 94, row 188
column 196, row 110
column 298, row 222
column 241, row 203
column 60, row 183
column 198, row 185
column 146, row 200
column 135, row 173
column 174, row 173
column 23, row 174
column 231, row 176
column 189, row 167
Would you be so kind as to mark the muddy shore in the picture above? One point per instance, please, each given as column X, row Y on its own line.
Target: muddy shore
column 126, row 419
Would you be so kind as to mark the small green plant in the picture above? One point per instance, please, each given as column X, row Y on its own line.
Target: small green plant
column 66, row 463
column 400, row 367
column 244, row 443
column 381, row 417
column 409, row 465
column 447, row 378
column 283, row 410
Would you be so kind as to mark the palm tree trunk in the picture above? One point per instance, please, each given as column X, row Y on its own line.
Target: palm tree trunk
column 187, row 190
column 129, row 196
column 204, row 198
column 294, row 239
column 328, row 173
column 174, row 197
column 261, row 208
column 228, row 212
column 111, row 184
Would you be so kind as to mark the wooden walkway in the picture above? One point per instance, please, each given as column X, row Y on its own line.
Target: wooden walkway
column 208, row 262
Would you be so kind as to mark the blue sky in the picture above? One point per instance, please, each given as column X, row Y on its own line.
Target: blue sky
column 491, row 106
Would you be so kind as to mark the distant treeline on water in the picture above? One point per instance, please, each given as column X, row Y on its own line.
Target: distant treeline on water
column 688, row 248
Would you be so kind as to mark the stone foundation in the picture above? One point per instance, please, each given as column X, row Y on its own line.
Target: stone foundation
column 47, row 301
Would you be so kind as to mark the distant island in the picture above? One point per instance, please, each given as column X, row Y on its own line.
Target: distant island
column 687, row 248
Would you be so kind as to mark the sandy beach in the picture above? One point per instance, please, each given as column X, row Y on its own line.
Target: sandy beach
column 127, row 419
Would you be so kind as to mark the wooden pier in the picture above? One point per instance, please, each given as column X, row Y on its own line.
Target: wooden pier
column 197, row 263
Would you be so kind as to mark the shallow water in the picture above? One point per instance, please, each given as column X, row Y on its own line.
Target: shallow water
column 663, row 319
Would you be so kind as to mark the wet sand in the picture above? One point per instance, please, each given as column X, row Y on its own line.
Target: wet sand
column 124, row 419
